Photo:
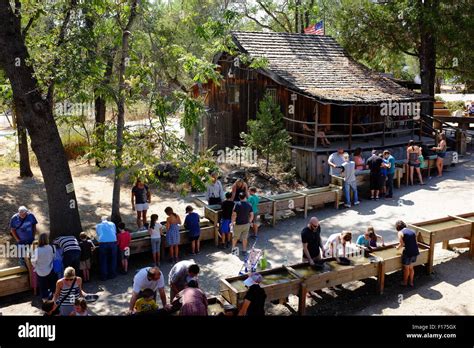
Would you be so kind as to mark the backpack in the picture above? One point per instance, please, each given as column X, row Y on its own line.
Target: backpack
column 58, row 267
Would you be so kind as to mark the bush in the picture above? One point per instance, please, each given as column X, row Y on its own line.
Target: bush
column 455, row 105
column 75, row 146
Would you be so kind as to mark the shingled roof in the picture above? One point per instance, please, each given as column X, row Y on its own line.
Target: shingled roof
column 319, row 67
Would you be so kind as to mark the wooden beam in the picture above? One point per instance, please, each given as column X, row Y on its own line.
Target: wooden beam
column 383, row 132
column 351, row 114
column 316, row 121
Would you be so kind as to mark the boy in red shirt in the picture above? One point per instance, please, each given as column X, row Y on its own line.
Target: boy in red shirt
column 123, row 242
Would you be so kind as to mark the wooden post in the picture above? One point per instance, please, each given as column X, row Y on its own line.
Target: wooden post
column 383, row 131
column 305, row 206
column 421, row 127
column 471, row 244
column 350, row 127
column 316, row 121
column 429, row 267
column 381, row 277
column 274, row 214
column 302, row 299
column 216, row 233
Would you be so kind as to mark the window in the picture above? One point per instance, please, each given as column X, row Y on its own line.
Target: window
column 272, row 92
column 233, row 94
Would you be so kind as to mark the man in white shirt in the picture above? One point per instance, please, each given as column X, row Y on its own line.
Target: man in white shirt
column 148, row 278
column 349, row 181
column 335, row 161
column 215, row 191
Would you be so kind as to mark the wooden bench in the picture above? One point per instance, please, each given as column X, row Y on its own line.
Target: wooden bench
column 14, row 280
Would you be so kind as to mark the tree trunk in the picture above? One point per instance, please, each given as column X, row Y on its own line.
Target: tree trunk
column 297, row 16
column 25, row 169
column 39, row 121
column 121, row 115
column 268, row 160
column 427, row 58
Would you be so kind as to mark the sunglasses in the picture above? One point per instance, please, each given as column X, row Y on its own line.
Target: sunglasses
column 315, row 226
column 69, row 279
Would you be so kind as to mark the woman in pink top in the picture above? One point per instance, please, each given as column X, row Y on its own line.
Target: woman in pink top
column 358, row 160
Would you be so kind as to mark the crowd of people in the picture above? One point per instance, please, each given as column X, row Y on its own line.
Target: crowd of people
column 62, row 265
column 381, row 165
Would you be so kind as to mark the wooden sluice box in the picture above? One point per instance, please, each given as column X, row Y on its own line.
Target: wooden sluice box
column 390, row 260
column 330, row 273
column 443, row 230
column 14, row 280
column 278, row 283
column 141, row 240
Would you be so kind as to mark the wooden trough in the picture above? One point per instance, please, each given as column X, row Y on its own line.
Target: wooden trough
column 331, row 274
column 14, row 280
column 443, row 230
column 278, row 283
column 320, row 196
column 390, row 260
column 141, row 240
column 218, row 306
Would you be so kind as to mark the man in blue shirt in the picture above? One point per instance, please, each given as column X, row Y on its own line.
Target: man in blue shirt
column 23, row 226
column 191, row 223
column 390, row 172
column 107, row 236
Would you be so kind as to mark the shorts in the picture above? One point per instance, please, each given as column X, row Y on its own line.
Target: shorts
column 86, row 264
column 123, row 256
column 412, row 164
column 441, row 154
column 241, row 232
column 193, row 238
column 408, row 260
column 141, row 206
column 376, row 182
column 155, row 245
column 225, row 226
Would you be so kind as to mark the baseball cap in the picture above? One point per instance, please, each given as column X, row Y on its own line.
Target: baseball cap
column 254, row 278
column 22, row 209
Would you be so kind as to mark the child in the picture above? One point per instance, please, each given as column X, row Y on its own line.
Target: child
column 86, row 254
column 80, row 308
column 191, row 223
column 49, row 309
column 123, row 243
column 147, row 303
column 254, row 200
column 172, row 235
column 374, row 237
column 224, row 228
column 155, row 238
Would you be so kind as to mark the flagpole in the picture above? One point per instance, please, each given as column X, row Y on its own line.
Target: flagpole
column 324, row 18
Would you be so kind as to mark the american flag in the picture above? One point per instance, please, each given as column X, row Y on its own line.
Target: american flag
column 315, row 29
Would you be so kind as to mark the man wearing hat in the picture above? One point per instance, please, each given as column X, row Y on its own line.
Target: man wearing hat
column 23, row 226
column 254, row 300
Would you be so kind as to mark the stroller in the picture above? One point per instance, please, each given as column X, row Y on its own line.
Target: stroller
column 251, row 260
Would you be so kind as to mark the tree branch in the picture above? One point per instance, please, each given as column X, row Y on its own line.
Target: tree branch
column 273, row 16
column 30, row 23
column 257, row 21
column 62, row 35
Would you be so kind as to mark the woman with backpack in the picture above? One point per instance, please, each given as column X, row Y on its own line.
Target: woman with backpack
column 42, row 261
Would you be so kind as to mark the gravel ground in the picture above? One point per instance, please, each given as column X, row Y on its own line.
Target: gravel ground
column 449, row 291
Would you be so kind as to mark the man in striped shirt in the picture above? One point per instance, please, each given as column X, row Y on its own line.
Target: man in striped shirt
column 71, row 251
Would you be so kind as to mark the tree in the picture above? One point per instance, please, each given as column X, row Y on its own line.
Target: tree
column 122, row 88
column 6, row 98
column 267, row 133
column 39, row 121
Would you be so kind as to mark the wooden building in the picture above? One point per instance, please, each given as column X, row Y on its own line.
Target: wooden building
column 319, row 87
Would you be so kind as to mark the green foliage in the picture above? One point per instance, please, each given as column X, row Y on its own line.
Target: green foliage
column 455, row 105
column 267, row 133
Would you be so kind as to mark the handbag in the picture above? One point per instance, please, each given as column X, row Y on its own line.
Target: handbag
column 58, row 261
column 422, row 161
